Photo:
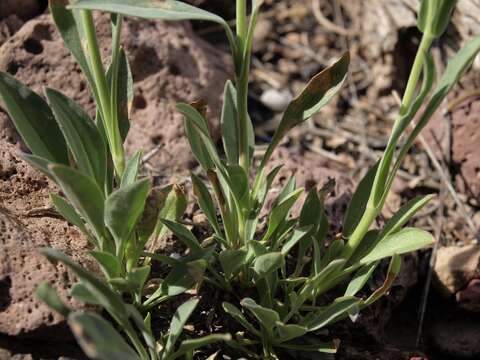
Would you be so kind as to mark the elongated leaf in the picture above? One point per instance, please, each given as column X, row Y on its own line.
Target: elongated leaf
column 267, row 317
column 179, row 320
column 108, row 262
column 198, row 135
column 229, row 123
column 123, row 91
column 360, row 279
column 39, row 163
column 238, row 181
column 206, row 203
column 323, row 347
column 81, row 293
column 189, row 345
column 404, row 241
column 138, row 277
column 34, row 120
column 163, row 9
column 266, row 264
column 318, row 92
column 110, row 300
column 336, row 311
column 405, row 213
column 123, row 209
column 98, row 338
column 69, row 213
column 81, row 134
column 358, row 204
column 71, row 29
column 456, row 67
column 232, row 261
column 289, row 332
column 130, row 174
column 392, row 273
column 297, row 236
column 280, row 212
column 434, row 16
column 84, row 194
column 185, row 235
column 235, row 313
column 174, row 205
column 49, row 296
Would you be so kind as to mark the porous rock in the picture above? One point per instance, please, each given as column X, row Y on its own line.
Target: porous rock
column 25, row 226
column 169, row 64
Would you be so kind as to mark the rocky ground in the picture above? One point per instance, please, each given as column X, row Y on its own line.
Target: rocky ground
column 295, row 39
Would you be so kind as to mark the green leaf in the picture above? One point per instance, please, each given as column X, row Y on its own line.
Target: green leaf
column 323, row 347
column 69, row 213
column 179, row 320
column 297, row 236
column 280, row 212
column 39, row 163
column 235, row 313
column 111, row 301
column 404, row 241
column 73, row 35
column 392, row 273
column 84, row 194
column 358, row 204
column 266, row 264
column 108, row 262
column 123, row 209
column 81, row 293
column 228, row 123
column 138, row 277
column 360, row 279
column 34, row 120
column 205, row 202
column 49, row 296
column 267, row 317
column 238, row 181
column 332, row 313
column 289, row 332
column 405, row 213
column 434, row 16
column 190, row 345
column 162, row 10
column 124, row 93
column 185, row 235
column 130, row 174
column 232, row 261
column 456, row 67
column 318, row 92
column 81, row 134
column 201, row 143
column 98, row 338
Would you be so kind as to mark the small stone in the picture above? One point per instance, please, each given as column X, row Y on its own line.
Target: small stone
column 456, row 267
column 276, row 100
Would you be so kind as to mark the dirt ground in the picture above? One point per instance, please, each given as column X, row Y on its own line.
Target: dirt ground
column 296, row 39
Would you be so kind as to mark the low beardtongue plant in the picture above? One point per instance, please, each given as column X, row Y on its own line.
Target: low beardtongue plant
column 287, row 311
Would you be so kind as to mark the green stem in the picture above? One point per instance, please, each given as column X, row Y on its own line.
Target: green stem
column 136, row 341
column 372, row 211
column 415, row 73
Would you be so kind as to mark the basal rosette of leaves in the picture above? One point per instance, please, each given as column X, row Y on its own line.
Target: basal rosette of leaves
column 106, row 200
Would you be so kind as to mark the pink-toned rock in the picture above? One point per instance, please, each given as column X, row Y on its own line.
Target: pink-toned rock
column 25, row 226
column 169, row 64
